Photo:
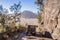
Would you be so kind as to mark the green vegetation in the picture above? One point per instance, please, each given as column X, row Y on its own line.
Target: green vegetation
column 39, row 17
column 8, row 28
column 41, row 5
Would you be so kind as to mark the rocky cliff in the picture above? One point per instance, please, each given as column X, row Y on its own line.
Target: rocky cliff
column 51, row 18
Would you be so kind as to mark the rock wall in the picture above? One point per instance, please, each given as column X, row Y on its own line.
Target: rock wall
column 51, row 17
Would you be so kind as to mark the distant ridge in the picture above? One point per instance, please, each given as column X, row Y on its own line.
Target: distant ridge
column 28, row 14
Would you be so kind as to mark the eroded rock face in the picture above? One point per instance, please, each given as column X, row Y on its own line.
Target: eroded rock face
column 51, row 18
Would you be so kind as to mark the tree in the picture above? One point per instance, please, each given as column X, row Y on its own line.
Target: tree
column 40, row 3
column 3, row 10
column 40, row 13
column 15, row 8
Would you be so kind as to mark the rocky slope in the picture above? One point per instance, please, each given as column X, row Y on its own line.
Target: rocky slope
column 51, row 18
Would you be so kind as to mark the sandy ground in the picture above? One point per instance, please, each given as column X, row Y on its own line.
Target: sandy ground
column 23, row 36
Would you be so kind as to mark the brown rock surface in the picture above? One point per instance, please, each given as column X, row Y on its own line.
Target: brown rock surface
column 51, row 17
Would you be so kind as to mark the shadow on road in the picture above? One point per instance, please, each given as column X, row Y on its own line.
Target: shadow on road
column 21, row 35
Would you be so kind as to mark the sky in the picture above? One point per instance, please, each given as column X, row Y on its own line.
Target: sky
column 26, row 4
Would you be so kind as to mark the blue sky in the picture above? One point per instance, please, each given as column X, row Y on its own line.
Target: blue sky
column 26, row 4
